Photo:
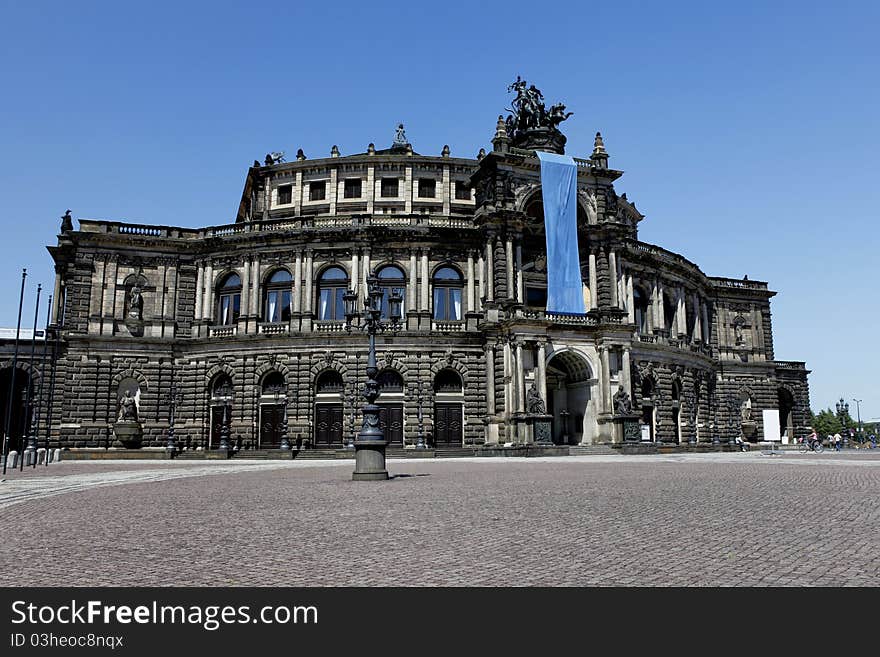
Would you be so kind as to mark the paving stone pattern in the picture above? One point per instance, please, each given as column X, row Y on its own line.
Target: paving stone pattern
column 685, row 520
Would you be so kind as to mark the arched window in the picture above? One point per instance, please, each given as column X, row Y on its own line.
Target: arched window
column 273, row 384
column 389, row 381
column 447, row 381
column 229, row 300
column 640, row 303
column 447, row 294
column 329, row 381
column 276, row 300
column 221, row 388
column 332, row 285
column 391, row 278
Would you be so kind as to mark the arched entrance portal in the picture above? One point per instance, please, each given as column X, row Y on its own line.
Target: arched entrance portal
column 273, row 392
column 19, row 423
column 448, row 409
column 328, row 409
column 570, row 394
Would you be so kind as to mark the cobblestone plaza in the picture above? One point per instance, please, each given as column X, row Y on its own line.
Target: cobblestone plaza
column 716, row 519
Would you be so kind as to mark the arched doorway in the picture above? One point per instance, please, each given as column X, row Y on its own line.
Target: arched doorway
column 221, row 411
column 570, row 394
column 19, row 422
column 273, row 394
column 448, row 409
column 648, row 412
column 786, row 419
column 328, row 409
column 390, row 404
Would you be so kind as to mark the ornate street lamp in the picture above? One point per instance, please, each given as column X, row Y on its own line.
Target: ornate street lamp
column 172, row 399
column 842, row 412
column 859, row 418
column 285, row 443
column 224, row 427
column 370, row 444
column 419, row 389
column 350, row 397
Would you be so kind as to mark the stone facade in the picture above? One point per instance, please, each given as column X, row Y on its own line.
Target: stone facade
column 153, row 308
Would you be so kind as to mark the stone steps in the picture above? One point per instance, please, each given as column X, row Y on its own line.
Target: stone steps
column 588, row 450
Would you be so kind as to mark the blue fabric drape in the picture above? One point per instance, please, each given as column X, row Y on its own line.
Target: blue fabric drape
column 559, row 188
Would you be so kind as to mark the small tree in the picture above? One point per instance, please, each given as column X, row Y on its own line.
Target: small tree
column 826, row 423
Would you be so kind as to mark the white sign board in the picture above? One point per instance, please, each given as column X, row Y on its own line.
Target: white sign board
column 771, row 425
column 646, row 432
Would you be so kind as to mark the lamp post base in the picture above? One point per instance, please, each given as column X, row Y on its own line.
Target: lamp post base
column 369, row 461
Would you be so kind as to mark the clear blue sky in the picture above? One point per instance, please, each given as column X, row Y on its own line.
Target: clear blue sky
column 748, row 131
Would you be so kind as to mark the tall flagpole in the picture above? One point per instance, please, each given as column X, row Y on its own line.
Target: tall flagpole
column 43, row 381
column 11, row 396
column 28, row 410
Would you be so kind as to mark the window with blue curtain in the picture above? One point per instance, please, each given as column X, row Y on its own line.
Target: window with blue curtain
column 277, row 298
column 448, row 284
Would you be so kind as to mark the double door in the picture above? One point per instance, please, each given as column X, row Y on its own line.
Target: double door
column 448, row 425
column 328, row 425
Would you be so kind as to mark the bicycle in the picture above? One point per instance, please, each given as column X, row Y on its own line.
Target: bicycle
column 811, row 446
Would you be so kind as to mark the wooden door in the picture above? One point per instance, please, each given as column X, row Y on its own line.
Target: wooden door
column 328, row 425
column 271, row 418
column 448, row 425
column 391, row 423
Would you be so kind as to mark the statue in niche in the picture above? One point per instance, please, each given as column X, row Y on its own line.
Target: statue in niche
column 534, row 403
column 738, row 329
column 746, row 410
column 622, row 402
column 135, row 302
column 127, row 408
column 592, row 207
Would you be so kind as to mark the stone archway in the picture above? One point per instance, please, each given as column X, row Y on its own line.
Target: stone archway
column 786, row 414
column 571, row 394
column 19, row 420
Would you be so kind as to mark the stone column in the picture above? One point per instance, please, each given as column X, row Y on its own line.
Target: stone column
column 541, row 357
column 658, row 301
column 490, row 380
column 255, row 286
column 511, row 293
column 426, row 301
column 298, row 194
column 56, row 298
column 308, row 283
column 612, row 271
column 680, row 313
column 412, row 302
column 471, row 306
column 706, row 326
column 698, row 319
column 605, row 379
column 520, row 291
column 520, row 379
column 200, row 284
column 407, row 189
column 630, row 299
column 208, row 308
column 354, row 269
column 446, row 190
column 481, row 290
column 625, row 378
column 507, row 379
column 333, row 191
column 594, row 283
column 490, row 272
column 371, row 188
column 297, row 282
column 246, row 305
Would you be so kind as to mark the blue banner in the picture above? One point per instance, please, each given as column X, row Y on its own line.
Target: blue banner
column 559, row 188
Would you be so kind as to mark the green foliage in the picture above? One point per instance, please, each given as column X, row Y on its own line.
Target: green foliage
column 826, row 423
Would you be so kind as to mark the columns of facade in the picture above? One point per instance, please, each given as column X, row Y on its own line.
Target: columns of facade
column 308, row 282
column 425, row 300
column 698, row 319
column 246, row 296
column 481, row 289
column 56, row 298
column 355, row 269
column 446, row 190
column 625, row 378
column 520, row 291
column 541, row 358
column 508, row 379
column 297, row 282
column 519, row 371
column 490, row 271
column 612, row 272
column 490, row 379
column 200, row 284
column 364, row 274
column 371, row 188
column 208, row 307
column 411, row 299
column 255, row 286
column 605, row 379
column 333, row 192
column 407, row 189
column 630, row 299
column 661, row 310
column 471, row 306
column 594, row 283
column 508, row 251
column 298, row 194
column 680, row 313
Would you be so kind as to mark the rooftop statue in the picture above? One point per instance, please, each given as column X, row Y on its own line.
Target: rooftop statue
column 400, row 135
column 530, row 115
